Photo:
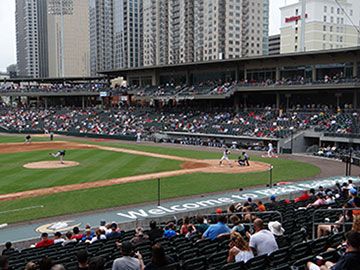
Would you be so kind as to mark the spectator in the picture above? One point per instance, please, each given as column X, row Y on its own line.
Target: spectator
column 139, row 237
column 356, row 224
column 97, row 263
column 102, row 225
column 69, row 239
column 352, row 194
column 238, row 227
column 82, row 258
column 155, row 232
column 170, row 232
column 330, row 198
column 215, row 230
column 305, row 196
column 77, row 235
column 349, row 261
column 158, row 258
column 356, row 205
column 260, row 206
column 278, row 231
column 99, row 235
column 45, row 264
column 4, row 262
column 319, row 201
column 30, row 266
column 184, row 227
column 58, row 267
column 114, row 233
column 239, row 249
column 87, row 236
column 273, row 201
column 58, row 239
column 263, row 241
column 8, row 249
column 202, row 224
column 325, row 229
column 45, row 241
column 126, row 262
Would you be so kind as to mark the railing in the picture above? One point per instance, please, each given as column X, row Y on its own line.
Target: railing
column 343, row 210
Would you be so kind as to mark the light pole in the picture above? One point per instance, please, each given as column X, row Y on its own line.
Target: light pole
column 61, row 7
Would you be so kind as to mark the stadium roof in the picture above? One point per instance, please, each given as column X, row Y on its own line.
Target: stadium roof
column 56, row 79
column 240, row 61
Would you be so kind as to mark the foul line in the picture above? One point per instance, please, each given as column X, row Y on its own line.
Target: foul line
column 21, row 209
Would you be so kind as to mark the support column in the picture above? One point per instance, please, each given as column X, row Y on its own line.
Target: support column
column 288, row 96
column 355, row 69
column 83, row 102
column 237, row 74
column 244, row 104
column 245, row 74
column 313, row 74
column 187, row 77
column 355, row 99
column 46, row 103
column 277, row 74
column 28, row 101
column 277, row 100
column 11, row 102
column 337, row 95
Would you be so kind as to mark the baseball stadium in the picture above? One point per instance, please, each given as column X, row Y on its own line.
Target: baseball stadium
column 171, row 155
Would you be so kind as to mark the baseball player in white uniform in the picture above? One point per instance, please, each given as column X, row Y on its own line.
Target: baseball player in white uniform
column 60, row 154
column 271, row 150
column 138, row 137
column 225, row 157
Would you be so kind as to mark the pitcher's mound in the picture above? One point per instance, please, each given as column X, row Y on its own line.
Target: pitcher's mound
column 50, row 164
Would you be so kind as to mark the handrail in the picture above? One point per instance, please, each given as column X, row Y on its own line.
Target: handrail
column 330, row 223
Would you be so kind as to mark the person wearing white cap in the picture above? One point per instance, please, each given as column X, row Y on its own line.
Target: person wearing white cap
column 278, row 231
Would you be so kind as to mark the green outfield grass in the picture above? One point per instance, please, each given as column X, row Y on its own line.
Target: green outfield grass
column 128, row 193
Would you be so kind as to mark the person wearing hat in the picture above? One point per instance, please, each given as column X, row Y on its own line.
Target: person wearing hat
column 278, row 231
column 352, row 193
column 102, row 225
column 330, row 198
column 126, row 262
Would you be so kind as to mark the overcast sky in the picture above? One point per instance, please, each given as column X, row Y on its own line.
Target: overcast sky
column 7, row 28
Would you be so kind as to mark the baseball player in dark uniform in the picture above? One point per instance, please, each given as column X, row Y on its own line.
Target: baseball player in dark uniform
column 27, row 139
column 60, row 154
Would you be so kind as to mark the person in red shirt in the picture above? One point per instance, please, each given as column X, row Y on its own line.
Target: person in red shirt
column 77, row 235
column 303, row 197
column 45, row 241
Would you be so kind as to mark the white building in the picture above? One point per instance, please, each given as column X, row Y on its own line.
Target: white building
column 329, row 24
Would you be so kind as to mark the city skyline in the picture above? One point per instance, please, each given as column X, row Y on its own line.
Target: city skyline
column 7, row 26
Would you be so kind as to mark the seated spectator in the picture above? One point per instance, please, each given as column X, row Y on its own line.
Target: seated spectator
column 97, row 263
column 305, row 196
column 238, row 227
column 139, row 237
column 325, row 229
column 202, row 224
column 184, row 227
column 155, row 231
column 45, row 241
column 99, row 235
column 102, row 226
column 126, row 262
column 8, row 249
column 170, row 232
column 260, row 206
column 4, row 262
column 262, row 241
column 88, row 227
column 58, row 239
column 278, row 231
column 351, row 258
column 319, row 201
column 69, row 239
column 356, row 224
column 352, row 194
column 273, row 201
column 114, row 233
column 217, row 229
column 77, row 235
column 356, row 204
column 158, row 258
column 239, row 249
column 330, row 198
column 82, row 258
column 87, row 236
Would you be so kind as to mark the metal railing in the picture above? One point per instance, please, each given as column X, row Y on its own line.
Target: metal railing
column 343, row 223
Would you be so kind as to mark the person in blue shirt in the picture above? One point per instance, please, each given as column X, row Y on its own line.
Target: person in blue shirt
column 170, row 232
column 215, row 230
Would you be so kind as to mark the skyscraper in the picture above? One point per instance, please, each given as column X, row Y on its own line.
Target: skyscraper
column 38, row 45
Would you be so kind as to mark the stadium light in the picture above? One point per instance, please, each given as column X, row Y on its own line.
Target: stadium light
column 61, row 8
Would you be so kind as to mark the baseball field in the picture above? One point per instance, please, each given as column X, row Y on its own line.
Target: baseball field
column 112, row 174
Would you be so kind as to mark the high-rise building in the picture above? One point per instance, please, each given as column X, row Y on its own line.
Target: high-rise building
column 329, row 24
column 38, row 39
column 115, row 34
column 274, row 44
column 181, row 31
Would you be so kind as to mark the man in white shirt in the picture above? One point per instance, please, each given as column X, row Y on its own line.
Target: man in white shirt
column 271, row 150
column 225, row 157
column 263, row 241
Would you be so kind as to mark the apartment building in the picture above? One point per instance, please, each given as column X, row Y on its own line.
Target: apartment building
column 329, row 24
